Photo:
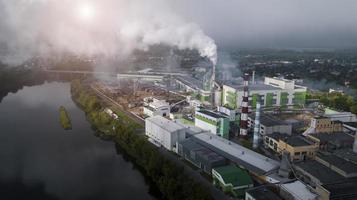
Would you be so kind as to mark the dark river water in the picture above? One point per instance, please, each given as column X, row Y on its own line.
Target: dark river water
column 39, row 160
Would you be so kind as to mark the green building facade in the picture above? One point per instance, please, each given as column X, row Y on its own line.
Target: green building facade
column 214, row 122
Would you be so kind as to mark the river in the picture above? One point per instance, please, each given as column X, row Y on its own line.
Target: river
column 39, row 160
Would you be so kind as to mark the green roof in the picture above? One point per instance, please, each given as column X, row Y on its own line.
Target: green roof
column 234, row 175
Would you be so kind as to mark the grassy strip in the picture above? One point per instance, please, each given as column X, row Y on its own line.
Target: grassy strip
column 64, row 119
column 170, row 179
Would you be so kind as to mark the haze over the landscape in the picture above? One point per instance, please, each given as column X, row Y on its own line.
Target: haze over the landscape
column 178, row 99
column 276, row 23
column 117, row 27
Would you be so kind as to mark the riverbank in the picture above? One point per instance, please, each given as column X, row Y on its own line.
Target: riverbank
column 171, row 180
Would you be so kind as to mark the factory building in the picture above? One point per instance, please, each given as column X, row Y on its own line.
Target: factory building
column 269, row 125
column 321, row 124
column 297, row 191
column 232, row 180
column 274, row 92
column 261, row 193
column 343, row 167
column 314, row 173
column 215, row 122
column 340, row 190
column 256, row 163
column 156, row 107
column 200, row 156
column 190, row 84
column 164, row 132
column 332, row 141
column 298, row 147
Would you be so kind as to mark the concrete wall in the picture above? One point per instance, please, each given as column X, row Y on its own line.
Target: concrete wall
column 164, row 137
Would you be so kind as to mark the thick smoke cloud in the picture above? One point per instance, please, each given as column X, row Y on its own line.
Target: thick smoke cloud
column 40, row 27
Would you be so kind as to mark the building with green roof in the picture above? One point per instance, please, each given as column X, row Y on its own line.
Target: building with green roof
column 232, row 179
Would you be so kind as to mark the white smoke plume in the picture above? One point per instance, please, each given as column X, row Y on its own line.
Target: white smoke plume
column 112, row 28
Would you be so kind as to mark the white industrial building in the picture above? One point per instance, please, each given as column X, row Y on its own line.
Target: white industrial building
column 157, row 107
column 164, row 132
column 273, row 92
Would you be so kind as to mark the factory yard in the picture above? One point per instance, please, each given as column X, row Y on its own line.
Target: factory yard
column 131, row 99
column 205, row 137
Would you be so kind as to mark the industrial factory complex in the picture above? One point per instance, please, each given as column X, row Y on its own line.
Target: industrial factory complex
column 254, row 140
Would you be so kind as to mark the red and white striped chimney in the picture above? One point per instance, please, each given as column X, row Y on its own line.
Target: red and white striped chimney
column 244, row 114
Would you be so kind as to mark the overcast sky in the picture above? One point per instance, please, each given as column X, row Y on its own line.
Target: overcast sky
column 116, row 27
column 275, row 23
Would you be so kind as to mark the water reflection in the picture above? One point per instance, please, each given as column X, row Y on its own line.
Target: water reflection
column 35, row 152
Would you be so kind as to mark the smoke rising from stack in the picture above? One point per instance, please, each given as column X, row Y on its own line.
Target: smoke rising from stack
column 31, row 28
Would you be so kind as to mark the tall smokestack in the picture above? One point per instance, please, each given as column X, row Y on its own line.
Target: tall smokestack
column 253, row 78
column 244, row 114
column 213, row 81
column 355, row 143
column 256, row 125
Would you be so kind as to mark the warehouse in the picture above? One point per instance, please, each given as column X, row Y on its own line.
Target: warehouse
column 315, row 173
column 341, row 166
column 164, row 132
column 346, row 189
column 243, row 157
column 332, row 141
column 269, row 124
column 200, row 156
